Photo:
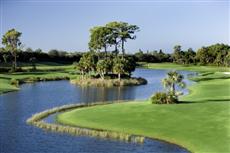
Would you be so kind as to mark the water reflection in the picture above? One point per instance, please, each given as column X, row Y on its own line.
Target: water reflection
column 89, row 94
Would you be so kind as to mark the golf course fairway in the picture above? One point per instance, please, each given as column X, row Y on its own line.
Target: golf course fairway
column 201, row 123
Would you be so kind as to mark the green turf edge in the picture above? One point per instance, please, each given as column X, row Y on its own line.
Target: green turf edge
column 197, row 68
column 59, row 119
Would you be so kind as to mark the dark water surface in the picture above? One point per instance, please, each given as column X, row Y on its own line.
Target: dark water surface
column 18, row 137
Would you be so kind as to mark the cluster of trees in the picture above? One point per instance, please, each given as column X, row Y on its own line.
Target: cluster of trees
column 109, row 63
column 183, row 57
column 173, row 80
column 112, row 34
column 218, row 54
column 91, row 63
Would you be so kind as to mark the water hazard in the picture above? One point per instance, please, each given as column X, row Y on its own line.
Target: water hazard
column 18, row 137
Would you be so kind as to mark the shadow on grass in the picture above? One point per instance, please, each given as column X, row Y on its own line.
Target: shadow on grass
column 198, row 79
column 5, row 78
column 204, row 101
column 29, row 73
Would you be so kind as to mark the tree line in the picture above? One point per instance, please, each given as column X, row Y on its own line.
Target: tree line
column 109, row 41
column 217, row 55
column 53, row 55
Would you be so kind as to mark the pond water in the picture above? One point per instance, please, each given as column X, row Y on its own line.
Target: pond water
column 18, row 137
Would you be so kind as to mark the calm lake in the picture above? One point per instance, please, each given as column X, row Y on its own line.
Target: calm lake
column 18, row 137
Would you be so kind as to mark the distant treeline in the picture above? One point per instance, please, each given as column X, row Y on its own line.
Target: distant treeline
column 153, row 56
column 40, row 56
column 218, row 54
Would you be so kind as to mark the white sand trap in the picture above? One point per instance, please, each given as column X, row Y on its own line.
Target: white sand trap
column 226, row 72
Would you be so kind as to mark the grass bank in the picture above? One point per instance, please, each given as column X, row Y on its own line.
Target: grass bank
column 37, row 120
column 174, row 66
column 200, row 124
column 44, row 72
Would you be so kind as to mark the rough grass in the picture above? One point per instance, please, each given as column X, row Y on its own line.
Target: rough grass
column 5, row 85
column 37, row 120
column 201, row 123
column 109, row 82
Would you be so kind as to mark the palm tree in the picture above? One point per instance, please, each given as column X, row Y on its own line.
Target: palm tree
column 173, row 79
column 127, row 32
column 120, row 33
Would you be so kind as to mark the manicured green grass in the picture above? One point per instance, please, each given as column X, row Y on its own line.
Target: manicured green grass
column 201, row 124
column 209, row 91
column 184, row 67
column 42, row 66
column 210, row 76
column 5, row 85
column 44, row 72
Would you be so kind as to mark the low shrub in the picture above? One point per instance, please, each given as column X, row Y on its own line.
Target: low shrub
column 14, row 82
column 163, row 98
column 173, row 99
column 159, row 98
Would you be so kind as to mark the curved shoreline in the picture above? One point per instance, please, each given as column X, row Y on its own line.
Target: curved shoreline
column 34, row 80
column 190, row 92
column 37, row 121
column 136, row 82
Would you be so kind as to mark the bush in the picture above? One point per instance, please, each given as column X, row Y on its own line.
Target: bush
column 172, row 99
column 4, row 69
column 159, row 98
column 14, row 82
column 163, row 98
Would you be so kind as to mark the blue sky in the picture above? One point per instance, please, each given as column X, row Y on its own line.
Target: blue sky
column 65, row 24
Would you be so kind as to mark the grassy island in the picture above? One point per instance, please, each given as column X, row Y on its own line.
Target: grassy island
column 200, row 123
column 109, row 82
